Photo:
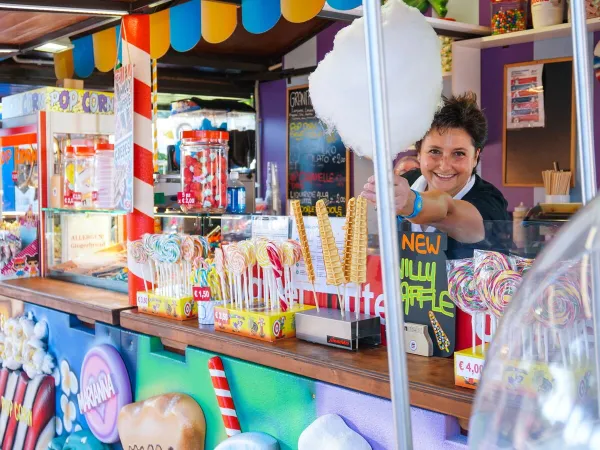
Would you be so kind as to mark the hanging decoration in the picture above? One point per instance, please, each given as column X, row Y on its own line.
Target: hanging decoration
column 185, row 24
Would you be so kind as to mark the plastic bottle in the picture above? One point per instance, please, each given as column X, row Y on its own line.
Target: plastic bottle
column 236, row 195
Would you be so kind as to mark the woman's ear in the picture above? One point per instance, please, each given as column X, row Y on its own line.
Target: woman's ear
column 477, row 156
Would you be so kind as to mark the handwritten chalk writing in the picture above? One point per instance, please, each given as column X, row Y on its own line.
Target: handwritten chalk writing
column 96, row 393
column 335, row 211
column 421, row 244
column 423, row 294
column 300, row 98
column 21, row 413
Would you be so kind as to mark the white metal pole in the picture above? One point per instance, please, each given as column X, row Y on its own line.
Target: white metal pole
column 388, row 230
column 585, row 145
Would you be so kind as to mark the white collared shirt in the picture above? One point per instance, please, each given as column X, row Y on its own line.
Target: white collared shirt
column 420, row 185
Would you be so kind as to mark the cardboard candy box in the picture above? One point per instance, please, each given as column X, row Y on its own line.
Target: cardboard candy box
column 183, row 308
column 258, row 323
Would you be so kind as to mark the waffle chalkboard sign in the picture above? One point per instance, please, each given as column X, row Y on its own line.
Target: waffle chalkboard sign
column 318, row 162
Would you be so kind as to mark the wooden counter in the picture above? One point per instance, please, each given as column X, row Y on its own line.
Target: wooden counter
column 87, row 302
column 430, row 380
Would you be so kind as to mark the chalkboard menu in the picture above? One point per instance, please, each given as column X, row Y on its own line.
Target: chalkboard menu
column 425, row 288
column 318, row 164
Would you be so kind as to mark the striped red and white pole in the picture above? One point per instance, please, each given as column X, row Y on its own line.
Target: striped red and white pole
column 223, row 393
column 136, row 51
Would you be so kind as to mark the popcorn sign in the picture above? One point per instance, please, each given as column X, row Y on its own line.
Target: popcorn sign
column 105, row 389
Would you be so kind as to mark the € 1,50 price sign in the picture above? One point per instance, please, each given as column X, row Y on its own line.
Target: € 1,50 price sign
column 201, row 293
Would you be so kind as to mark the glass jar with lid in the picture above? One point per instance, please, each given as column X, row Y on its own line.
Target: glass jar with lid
column 204, row 170
column 85, row 193
column 508, row 16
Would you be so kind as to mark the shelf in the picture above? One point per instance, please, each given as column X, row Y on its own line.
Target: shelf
column 523, row 37
column 430, row 380
column 441, row 26
column 111, row 212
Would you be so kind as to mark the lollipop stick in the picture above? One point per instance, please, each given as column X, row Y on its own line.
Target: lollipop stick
column 483, row 334
column 586, row 344
column 473, row 333
column 346, row 296
column 563, row 344
column 340, row 301
column 357, row 301
column 538, row 339
column 546, row 343
column 316, row 298
column 144, row 277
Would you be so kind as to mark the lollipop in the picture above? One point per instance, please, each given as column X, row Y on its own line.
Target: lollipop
column 310, row 270
column 502, row 285
column 331, row 256
column 461, row 286
column 219, row 262
column 487, row 264
column 237, row 265
column 139, row 255
column 277, row 270
column 288, row 259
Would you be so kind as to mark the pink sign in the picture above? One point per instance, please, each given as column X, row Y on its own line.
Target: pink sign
column 105, row 389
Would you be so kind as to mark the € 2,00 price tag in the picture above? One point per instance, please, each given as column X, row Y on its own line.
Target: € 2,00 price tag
column 201, row 293
column 186, row 198
column 468, row 367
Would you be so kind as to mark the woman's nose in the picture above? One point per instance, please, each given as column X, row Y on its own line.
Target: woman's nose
column 445, row 163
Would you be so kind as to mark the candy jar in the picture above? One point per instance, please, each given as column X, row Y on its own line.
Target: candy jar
column 85, row 193
column 105, row 175
column 68, row 177
column 204, row 171
column 508, row 16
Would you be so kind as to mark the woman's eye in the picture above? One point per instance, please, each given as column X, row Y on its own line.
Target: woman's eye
column 434, row 152
column 459, row 154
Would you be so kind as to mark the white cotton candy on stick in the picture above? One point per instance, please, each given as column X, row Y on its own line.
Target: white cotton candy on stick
column 339, row 88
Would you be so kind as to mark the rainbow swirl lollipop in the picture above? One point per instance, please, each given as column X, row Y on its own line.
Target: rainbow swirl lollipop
column 461, row 286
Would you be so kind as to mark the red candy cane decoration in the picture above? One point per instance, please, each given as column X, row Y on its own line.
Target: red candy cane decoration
column 223, row 393
column 277, row 266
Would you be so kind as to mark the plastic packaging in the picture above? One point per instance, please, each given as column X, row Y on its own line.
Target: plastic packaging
column 85, row 193
column 508, row 16
column 204, row 171
column 105, row 175
column 68, row 177
column 236, row 195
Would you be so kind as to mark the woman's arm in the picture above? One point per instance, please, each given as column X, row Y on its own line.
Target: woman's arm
column 458, row 219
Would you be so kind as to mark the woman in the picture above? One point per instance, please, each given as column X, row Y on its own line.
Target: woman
column 446, row 194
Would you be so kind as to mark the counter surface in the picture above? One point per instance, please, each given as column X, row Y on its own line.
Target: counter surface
column 430, row 380
column 87, row 302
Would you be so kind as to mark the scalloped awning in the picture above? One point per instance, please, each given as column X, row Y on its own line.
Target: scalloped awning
column 181, row 27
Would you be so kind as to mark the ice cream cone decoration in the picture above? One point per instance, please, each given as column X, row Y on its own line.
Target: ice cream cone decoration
column 310, row 270
column 358, row 264
column 349, row 237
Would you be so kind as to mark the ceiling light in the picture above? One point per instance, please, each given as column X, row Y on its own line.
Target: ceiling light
column 56, row 46
column 64, row 9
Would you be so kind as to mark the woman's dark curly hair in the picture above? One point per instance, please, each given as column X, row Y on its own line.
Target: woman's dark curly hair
column 461, row 112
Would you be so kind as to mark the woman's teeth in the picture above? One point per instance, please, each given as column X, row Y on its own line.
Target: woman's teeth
column 444, row 177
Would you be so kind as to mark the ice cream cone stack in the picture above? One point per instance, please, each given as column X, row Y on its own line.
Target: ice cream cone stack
column 358, row 265
column 348, row 237
column 310, row 270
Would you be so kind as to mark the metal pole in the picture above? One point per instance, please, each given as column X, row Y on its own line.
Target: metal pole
column 585, row 146
column 388, row 231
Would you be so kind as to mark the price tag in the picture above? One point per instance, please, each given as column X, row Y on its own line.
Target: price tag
column 142, row 300
column 15, row 176
column 95, row 196
column 186, row 198
column 68, row 200
column 201, row 293
column 77, row 197
column 221, row 317
column 468, row 367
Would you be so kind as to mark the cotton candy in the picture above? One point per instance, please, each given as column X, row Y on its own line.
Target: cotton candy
column 339, row 87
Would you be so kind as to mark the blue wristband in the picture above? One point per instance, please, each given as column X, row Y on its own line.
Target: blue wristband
column 417, row 206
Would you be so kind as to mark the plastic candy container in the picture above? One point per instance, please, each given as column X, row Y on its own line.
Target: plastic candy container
column 204, row 171
column 105, row 175
column 508, row 16
column 85, row 193
column 68, row 177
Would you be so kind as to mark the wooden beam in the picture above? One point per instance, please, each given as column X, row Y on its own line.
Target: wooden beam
column 215, row 61
column 104, row 8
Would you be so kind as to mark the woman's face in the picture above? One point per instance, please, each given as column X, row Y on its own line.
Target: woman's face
column 448, row 159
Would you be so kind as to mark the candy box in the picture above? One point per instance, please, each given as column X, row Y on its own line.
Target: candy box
column 468, row 367
column 258, row 323
column 182, row 308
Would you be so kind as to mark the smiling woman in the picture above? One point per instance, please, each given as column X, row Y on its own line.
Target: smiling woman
column 445, row 193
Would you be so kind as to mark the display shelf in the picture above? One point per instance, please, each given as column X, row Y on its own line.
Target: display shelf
column 88, row 302
column 111, row 212
column 430, row 380
column 522, row 37
column 441, row 26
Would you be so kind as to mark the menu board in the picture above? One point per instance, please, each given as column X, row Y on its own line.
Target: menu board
column 124, row 138
column 318, row 161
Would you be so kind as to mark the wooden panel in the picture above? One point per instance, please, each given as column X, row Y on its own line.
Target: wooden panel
column 431, row 380
column 91, row 303
column 21, row 27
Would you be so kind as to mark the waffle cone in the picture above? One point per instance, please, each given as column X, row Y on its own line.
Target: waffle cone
column 331, row 256
column 358, row 265
column 348, row 237
column 297, row 211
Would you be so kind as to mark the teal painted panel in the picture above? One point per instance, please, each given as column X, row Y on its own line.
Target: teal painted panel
column 267, row 400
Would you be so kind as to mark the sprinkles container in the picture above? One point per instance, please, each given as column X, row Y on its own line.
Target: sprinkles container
column 508, row 16
column 204, row 171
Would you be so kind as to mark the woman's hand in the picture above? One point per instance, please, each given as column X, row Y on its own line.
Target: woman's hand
column 404, row 198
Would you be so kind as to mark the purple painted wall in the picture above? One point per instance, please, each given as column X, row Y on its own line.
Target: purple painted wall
column 431, row 431
column 492, row 81
column 325, row 39
column 273, row 134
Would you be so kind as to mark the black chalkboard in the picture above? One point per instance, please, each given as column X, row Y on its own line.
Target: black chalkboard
column 318, row 162
column 425, row 288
